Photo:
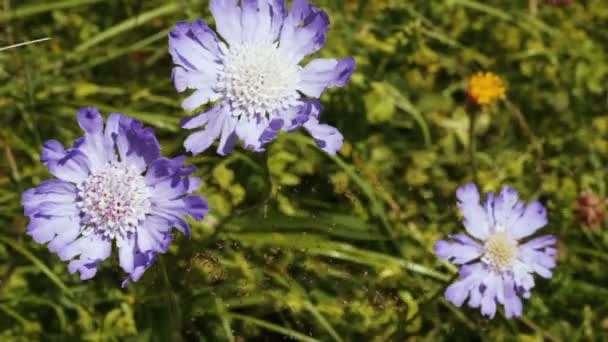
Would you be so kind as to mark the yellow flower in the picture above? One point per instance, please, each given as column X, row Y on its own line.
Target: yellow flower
column 485, row 88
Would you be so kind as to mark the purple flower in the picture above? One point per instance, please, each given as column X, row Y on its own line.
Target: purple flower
column 497, row 267
column 253, row 76
column 111, row 186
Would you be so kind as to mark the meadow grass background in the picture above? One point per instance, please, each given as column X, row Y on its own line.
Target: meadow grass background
column 298, row 244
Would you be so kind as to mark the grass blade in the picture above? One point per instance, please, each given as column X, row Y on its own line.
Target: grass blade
column 127, row 25
column 43, row 268
column 28, row 11
column 24, row 43
column 273, row 327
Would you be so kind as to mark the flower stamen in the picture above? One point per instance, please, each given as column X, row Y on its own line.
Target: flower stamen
column 501, row 251
column 114, row 201
column 257, row 79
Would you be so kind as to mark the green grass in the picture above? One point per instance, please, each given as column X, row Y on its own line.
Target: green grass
column 298, row 244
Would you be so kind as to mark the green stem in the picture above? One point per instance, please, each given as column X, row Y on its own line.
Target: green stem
column 173, row 305
column 431, row 298
column 472, row 111
column 273, row 327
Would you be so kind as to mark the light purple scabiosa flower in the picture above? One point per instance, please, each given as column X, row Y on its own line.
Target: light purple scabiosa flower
column 111, row 186
column 497, row 267
column 253, row 76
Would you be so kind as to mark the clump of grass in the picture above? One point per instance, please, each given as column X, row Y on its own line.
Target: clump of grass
column 300, row 244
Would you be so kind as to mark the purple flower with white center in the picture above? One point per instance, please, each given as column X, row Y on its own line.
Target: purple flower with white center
column 497, row 267
column 253, row 75
column 112, row 186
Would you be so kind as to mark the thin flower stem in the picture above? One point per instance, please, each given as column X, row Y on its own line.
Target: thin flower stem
column 24, row 44
column 530, row 324
column 174, row 310
column 533, row 7
column 472, row 111
column 432, row 298
column 520, row 118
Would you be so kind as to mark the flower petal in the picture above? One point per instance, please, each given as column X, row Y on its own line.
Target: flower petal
column 458, row 292
column 195, row 47
column 304, row 31
column 250, row 131
column 203, row 95
column 533, row 218
column 155, row 235
column 74, row 167
column 327, row 137
column 194, row 79
column 198, row 142
column 43, row 229
column 321, row 74
column 52, row 151
column 227, row 16
column 458, row 252
column 475, row 217
column 52, row 190
column 539, row 255
column 97, row 147
column 228, row 136
column 137, row 145
column 512, row 303
column 126, row 253
column 91, row 249
column 507, row 207
column 141, row 262
column 493, row 284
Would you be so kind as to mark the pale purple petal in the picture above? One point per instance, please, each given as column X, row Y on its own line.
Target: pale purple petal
column 126, row 253
column 141, row 262
column 228, row 137
column 539, row 254
column 194, row 79
column 304, row 30
column 203, row 95
column 97, row 147
column 164, row 169
column 458, row 252
column 53, row 190
column 46, row 229
column 156, row 235
column 195, row 47
column 198, row 142
column 475, row 217
column 327, row 137
column 321, row 74
column 52, row 151
column 91, row 250
column 250, row 131
column 227, row 16
column 533, row 218
column 471, row 278
column 512, row 303
column 137, row 145
column 507, row 207
column 493, row 284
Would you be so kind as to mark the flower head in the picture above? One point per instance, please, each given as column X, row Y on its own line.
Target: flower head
column 496, row 265
column 112, row 186
column 590, row 209
column 253, row 76
column 485, row 88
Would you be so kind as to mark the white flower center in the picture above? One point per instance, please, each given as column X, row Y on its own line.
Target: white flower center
column 257, row 79
column 500, row 251
column 114, row 201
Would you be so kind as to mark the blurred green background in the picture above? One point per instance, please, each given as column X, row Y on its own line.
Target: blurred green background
column 300, row 245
